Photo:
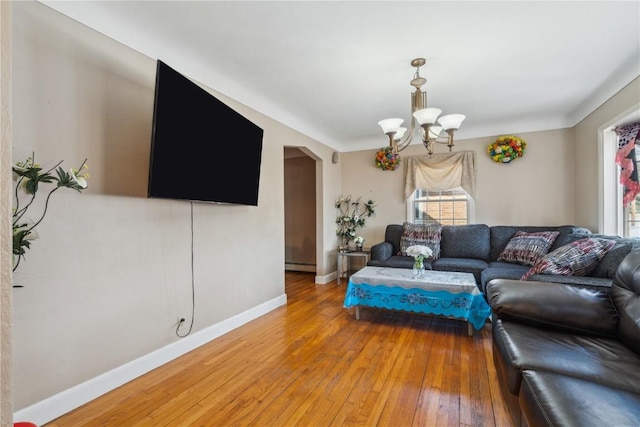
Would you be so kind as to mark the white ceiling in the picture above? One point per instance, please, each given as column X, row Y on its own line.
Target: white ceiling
column 333, row 69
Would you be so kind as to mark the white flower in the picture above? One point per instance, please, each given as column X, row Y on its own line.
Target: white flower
column 419, row 251
column 79, row 180
column 359, row 240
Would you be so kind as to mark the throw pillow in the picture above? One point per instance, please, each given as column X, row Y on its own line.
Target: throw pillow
column 575, row 259
column 528, row 248
column 421, row 234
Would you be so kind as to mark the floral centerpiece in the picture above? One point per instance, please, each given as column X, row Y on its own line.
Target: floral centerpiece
column 359, row 241
column 419, row 253
column 352, row 214
column 28, row 176
column 387, row 160
column 507, row 148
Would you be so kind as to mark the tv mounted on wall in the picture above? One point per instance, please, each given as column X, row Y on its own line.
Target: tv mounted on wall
column 201, row 149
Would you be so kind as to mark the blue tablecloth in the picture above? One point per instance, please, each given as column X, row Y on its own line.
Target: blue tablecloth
column 463, row 305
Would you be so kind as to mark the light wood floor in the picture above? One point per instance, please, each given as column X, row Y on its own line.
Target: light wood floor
column 310, row 363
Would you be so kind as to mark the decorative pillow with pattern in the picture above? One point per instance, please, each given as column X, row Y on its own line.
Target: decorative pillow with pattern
column 575, row 259
column 527, row 248
column 421, row 234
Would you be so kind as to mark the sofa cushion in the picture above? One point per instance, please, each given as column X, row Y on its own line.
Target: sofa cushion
column 396, row 261
column 497, row 270
column 569, row 235
column 466, row 241
column 421, row 234
column 382, row 251
column 588, row 282
column 392, row 234
column 559, row 400
column 518, row 347
column 509, row 265
column 575, row 259
column 609, row 264
column 527, row 248
column 554, row 306
column 461, row 265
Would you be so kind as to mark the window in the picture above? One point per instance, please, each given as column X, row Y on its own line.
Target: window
column 631, row 223
column 613, row 219
column 449, row 207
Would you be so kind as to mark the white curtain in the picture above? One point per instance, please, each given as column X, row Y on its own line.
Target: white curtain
column 441, row 172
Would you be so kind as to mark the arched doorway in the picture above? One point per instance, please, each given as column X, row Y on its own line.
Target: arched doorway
column 300, row 210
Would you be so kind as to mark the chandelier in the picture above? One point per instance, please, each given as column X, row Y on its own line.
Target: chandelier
column 430, row 132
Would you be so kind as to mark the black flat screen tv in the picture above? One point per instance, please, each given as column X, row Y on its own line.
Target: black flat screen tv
column 201, row 149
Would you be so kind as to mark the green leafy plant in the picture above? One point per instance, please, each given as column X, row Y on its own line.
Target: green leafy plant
column 29, row 177
column 352, row 214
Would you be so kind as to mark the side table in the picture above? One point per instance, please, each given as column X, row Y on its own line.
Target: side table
column 346, row 264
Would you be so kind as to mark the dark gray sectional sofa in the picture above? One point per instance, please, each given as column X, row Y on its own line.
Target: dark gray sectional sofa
column 475, row 249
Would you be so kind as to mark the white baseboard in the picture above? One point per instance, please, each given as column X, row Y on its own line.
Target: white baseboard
column 300, row 267
column 323, row 280
column 59, row 404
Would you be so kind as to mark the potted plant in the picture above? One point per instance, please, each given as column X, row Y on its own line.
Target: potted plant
column 352, row 214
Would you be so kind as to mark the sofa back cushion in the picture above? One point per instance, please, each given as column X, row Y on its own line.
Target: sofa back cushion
column 553, row 306
column 611, row 261
column 502, row 234
column 626, row 297
column 465, row 241
column 392, row 234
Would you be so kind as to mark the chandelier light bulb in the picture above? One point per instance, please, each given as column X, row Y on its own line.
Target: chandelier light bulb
column 451, row 121
column 390, row 125
column 427, row 115
column 434, row 131
column 400, row 133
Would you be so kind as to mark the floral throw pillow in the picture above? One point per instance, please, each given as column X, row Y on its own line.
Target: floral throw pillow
column 421, row 234
column 575, row 259
column 527, row 248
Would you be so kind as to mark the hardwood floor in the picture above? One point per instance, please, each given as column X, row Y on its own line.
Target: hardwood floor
column 310, row 363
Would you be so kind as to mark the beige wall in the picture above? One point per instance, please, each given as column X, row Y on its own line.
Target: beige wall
column 110, row 274
column 588, row 151
column 6, row 291
column 536, row 189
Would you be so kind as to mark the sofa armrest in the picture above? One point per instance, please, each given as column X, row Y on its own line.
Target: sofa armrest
column 554, row 306
column 382, row 251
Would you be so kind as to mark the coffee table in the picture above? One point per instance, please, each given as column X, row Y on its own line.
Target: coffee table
column 438, row 293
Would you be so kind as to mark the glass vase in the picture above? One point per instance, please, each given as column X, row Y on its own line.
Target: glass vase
column 418, row 267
